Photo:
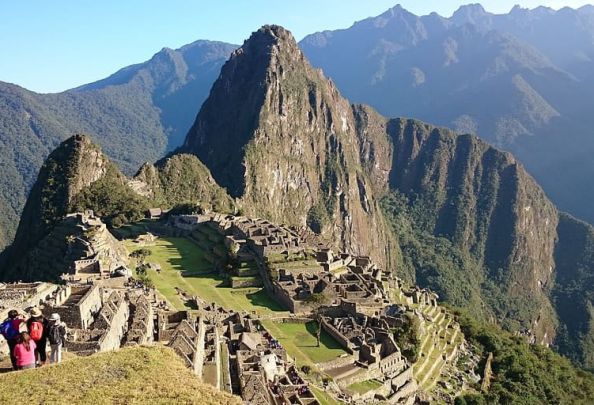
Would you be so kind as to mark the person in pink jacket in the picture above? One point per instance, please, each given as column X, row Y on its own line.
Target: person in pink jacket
column 24, row 351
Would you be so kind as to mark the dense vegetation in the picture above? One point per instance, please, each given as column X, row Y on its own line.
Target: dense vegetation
column 573, row 293
column 407, row 338
column 433, row 261
column 523, row 373
column 111, row 199
column 182, row 179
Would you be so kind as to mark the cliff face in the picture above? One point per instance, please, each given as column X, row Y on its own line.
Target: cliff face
column 484, row 202
column 277, row 134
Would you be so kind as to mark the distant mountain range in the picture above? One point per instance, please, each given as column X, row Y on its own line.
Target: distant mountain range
column 523, row 81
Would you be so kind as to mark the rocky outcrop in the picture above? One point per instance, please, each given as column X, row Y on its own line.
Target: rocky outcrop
column 74, row 165
column 78, row 177
column 276, row 130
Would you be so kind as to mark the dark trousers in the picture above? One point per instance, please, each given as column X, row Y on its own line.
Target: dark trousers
column 40, row 350
column 11, row 344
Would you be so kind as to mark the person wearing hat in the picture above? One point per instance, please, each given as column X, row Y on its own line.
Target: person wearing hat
column 56, row 337
column 38, row 327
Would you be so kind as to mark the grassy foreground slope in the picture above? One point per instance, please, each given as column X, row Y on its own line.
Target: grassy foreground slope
column 154, row 375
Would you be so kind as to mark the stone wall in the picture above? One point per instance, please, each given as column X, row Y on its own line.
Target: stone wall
column 142, row 326
column 115, row 312
column 339, row 337
column 88, row 306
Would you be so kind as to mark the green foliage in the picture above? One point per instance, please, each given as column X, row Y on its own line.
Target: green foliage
column 183, row 182
column 141, row 254
column 186, row 209
column 432, row 261
column 318, row 298
column 573, row 292
column 111, row 199
column 142, row 275
column 407, row 338
column 317, row 218
column 524, row 373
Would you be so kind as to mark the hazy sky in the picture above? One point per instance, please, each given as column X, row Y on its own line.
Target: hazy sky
column 53, row 45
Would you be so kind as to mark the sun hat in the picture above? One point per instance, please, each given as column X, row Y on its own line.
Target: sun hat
column 55, row 317
column 35, row 312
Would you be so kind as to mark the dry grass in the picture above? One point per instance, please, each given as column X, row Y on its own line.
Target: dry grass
column 151, row 375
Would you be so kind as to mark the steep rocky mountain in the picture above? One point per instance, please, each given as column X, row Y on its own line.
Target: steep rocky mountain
column 521, row 81
column 484, row 203
column 469, row 221
column 276, row 130
column 136, row 115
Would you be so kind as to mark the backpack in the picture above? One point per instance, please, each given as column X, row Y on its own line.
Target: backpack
column 36, row 330
column 8, row 330
column 55, row 335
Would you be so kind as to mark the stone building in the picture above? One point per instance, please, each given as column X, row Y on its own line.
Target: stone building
column 142, row 326
column 94, row 253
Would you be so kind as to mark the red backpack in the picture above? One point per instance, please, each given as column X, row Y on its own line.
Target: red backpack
column 36, row 330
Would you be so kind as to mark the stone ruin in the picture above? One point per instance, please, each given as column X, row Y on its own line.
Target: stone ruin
column 344, row 277
column 95, row 254
column 374, row 353
column 235, row 353
column 98, row 318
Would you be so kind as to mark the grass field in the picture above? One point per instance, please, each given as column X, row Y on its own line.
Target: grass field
column 154, row 375
column 183, row 265
column 300, row 342
column 323, row 398
column 363, row 386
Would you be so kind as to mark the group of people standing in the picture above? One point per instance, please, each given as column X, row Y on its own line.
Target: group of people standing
column 28, row 338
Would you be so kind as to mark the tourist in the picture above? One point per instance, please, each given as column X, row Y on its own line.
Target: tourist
column 56, row 337
column 38, row 327
column 24, row 351
column 10, row 331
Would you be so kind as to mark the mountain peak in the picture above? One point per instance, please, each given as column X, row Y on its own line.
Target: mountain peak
column 471, row 9
column 274, row 31
column 268, row 40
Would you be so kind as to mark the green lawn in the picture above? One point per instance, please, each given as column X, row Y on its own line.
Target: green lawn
column 323, row 398
column 179, row 256
column 300, row 342
column 363, row 386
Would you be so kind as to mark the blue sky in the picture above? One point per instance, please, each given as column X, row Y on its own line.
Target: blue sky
column 53, row 45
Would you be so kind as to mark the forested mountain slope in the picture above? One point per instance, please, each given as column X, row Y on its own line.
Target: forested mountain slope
column 136, row 115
